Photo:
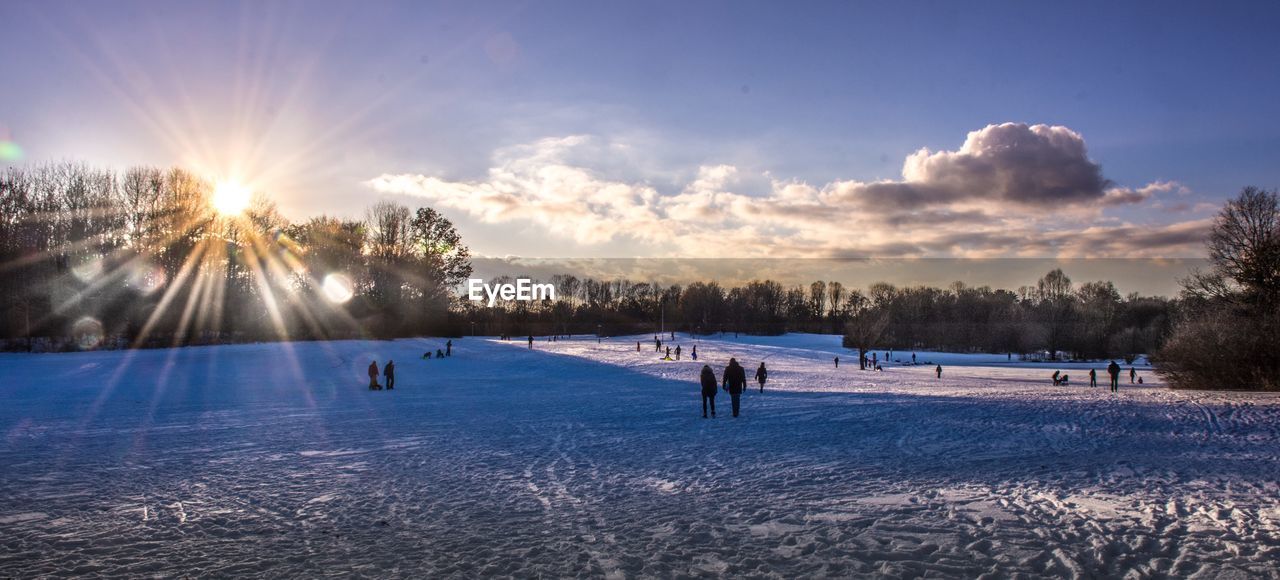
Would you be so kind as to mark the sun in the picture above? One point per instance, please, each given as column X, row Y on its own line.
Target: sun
column 230, row 198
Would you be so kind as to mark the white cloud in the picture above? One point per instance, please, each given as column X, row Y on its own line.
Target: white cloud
column 1009, row 190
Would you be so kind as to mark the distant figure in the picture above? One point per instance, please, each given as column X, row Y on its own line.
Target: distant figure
column 1065, row 380
column 913, row 358
column 668, row 352
column 1139, row 380
column 373, row 376
column 448, row 348
column 761, row 376
column 637, row 346
column 1093, row 378
column 875, row 361
column 1133, row 375
column 439, row 353
column 708, row 390
column 657, row 345
column 938, row 370
column 677, row 352
column 673, row 335
column 694, row 354
column 389, row 371
column 735, row 381
column 1056, row 382
column 886, row 357
column 530, row 341
column 426, row 355
column 1113, row 369
column 837, row 362
column 1008, row 356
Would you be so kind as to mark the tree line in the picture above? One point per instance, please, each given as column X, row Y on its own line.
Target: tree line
column 1051, row 319
column 140, row 258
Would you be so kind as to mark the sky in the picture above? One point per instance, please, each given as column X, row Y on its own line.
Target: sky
column 680, row 129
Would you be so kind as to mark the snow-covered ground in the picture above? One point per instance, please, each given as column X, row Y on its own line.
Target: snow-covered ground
column 586, row 458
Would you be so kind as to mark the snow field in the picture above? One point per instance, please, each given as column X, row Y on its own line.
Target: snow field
column 586, row 458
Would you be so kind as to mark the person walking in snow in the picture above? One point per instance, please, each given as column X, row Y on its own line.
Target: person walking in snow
column 668, row 357
column 1133, row 375
column 637, row 346
column 448, row 348
column 761, row 376
column 1093, row 378
column 657, row 345
column 708, row 390
column 735, row 381
column 389, row 371
column 530, row 341
column 837, row 362
column 373, row 376
column 677, row 352
column 938, row 369
column 1113, row 369
column 694, row 354
column 913, row 358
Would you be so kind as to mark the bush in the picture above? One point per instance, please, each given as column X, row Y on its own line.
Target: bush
column 1224, row 350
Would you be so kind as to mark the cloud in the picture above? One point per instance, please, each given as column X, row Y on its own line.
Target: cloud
column 1125, row 196
column 1010, row 190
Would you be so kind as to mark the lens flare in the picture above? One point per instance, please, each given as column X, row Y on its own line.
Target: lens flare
column 338, row 288
column 146, row 278
column 87, row 268
column 87, row 332
column 10, row 151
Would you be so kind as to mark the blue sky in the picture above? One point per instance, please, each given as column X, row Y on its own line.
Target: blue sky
column 686, row 120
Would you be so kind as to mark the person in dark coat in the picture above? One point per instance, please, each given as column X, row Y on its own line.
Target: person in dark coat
column 677, row 352
column 530, row 341
column 1093, row 378
column 761, row 376
column 837, row 362
column 735, row 381
column 389, row 371
column 1113, row 369
column 1133, row 375
column 637, row 346
column 448, row 348
column 373, row 376
column 1055, row 377
column 439, row 353
column 708, row 390
column 694, row 354
column 938, row 370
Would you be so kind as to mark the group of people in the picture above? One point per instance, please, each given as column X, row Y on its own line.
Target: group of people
column 440, row 353
column 388, row 371
column 734, row 382
column 1113, row 370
